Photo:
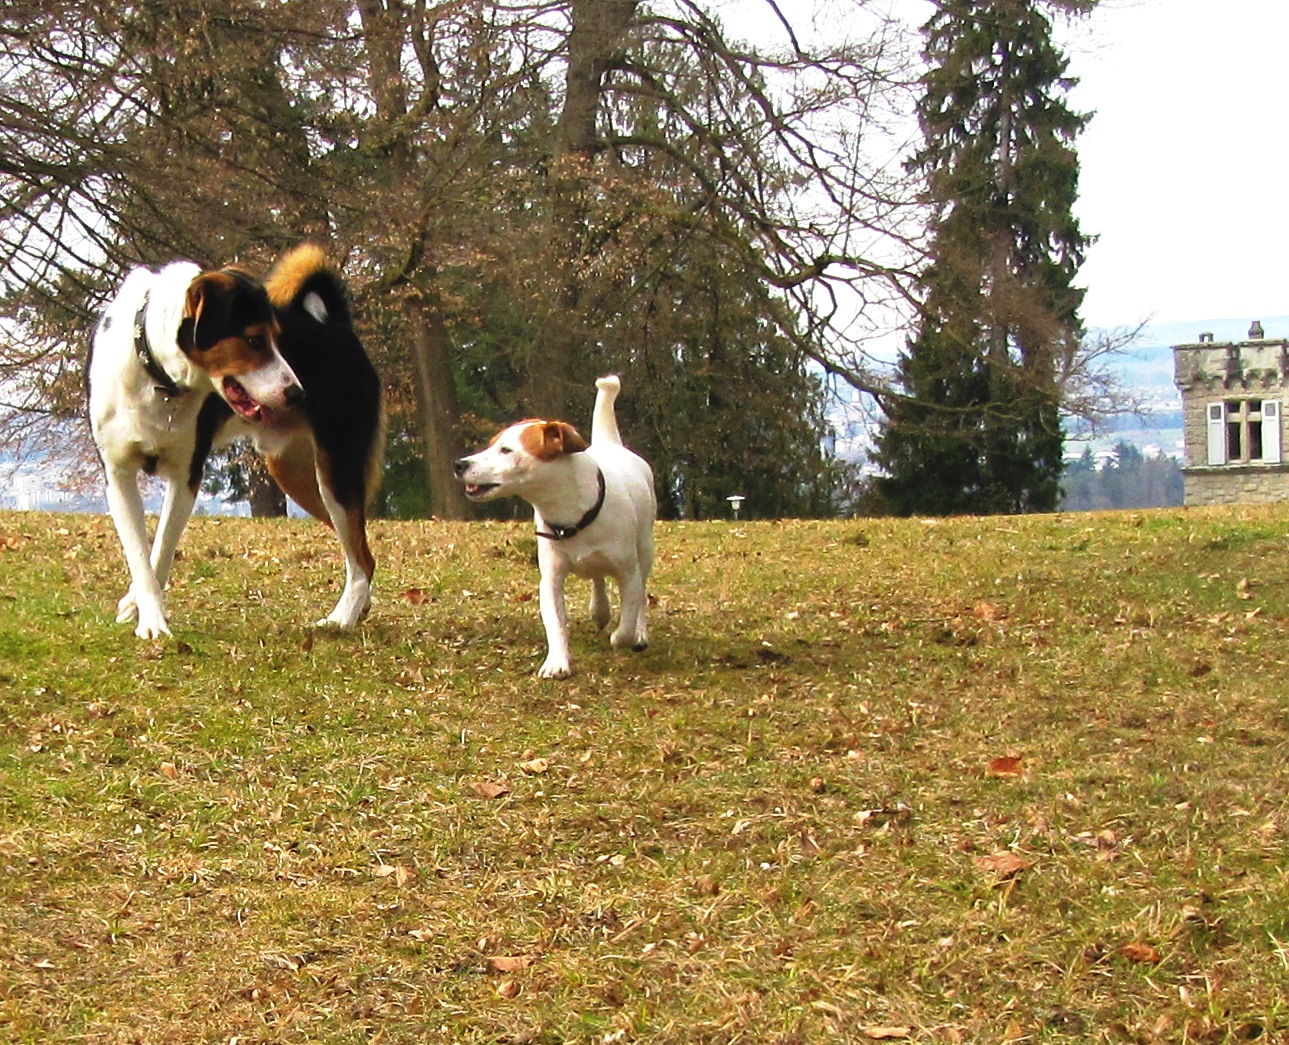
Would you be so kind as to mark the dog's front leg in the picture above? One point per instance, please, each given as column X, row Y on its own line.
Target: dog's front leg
column 554, row 617
column 175, row 514
column 632, row 632
column 143, row 602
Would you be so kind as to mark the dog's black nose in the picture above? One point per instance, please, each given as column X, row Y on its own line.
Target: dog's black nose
column 294, row 395
column 460, row 467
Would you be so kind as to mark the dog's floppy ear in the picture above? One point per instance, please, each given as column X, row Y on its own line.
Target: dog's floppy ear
column 209, row 306
column 224, row 302
column 554, row 438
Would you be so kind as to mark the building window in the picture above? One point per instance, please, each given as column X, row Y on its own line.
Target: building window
column 1244, row 431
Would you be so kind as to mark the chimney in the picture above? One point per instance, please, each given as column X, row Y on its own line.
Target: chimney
column 1206, row 337
column 1255, row 331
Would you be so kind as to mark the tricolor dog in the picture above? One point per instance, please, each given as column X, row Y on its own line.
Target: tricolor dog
column 594, row 508
column 186, row 359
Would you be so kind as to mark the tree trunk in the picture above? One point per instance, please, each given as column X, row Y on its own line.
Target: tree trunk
column 266, row 498
column 598, row 26
column 439, row 410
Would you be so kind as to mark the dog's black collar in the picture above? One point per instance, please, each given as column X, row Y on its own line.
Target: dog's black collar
column 164, row 384
column 563, row 533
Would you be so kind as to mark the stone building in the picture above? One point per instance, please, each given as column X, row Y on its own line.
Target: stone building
column 1233, row 396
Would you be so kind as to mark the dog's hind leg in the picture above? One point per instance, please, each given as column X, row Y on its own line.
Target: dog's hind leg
column 351, row 527
column 300, row 470
column 633, row 629
column 294, row 469
column 600, row 611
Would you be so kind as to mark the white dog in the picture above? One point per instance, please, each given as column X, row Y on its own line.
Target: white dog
column 171, row 350
column 594, row 508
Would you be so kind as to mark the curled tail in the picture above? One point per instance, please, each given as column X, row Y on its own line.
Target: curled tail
column 304, row 279
column 604, row 421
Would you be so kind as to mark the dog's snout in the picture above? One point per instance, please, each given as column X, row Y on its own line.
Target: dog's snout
column 294, row 395
column 460, row 467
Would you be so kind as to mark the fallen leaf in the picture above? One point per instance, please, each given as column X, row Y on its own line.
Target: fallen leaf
column 508, row 989
column 1007, row 766
column 511, row 962
column 168, row 770
column 1005, row 864
column 424, row 935
column 535, row 765
column 1140, row 951
column 489, row 789
column 413, row 596
column 400, row 873
column 886, row 1033
column 985, row 611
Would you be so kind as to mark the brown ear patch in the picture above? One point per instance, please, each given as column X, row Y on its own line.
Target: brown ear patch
column 546, row 440
column 527, row 421
column 223, row 304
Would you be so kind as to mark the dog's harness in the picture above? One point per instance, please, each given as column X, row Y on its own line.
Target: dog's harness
column 563, row 533
column 163, row 384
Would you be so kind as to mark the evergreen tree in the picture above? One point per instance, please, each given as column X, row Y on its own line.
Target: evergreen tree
column 978, row 427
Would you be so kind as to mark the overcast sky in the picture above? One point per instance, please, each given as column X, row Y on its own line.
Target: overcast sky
column 1184, row 173
column 1185, row 179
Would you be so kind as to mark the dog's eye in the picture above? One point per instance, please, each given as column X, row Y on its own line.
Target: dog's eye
column 505, row 450
column 256, row 342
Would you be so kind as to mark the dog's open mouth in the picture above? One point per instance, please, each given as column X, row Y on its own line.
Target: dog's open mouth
column 243, row 403
column 479, row 489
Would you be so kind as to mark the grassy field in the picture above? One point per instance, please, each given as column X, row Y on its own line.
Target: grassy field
column 974, row 780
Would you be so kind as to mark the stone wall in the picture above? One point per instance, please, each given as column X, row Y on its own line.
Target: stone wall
column 1236, row 484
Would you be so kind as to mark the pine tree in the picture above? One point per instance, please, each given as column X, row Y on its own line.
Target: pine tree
column 978, row 429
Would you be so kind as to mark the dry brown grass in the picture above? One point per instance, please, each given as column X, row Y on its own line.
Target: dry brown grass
column 971, row 780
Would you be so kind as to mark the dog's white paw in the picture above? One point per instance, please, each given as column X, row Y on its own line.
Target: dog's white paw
column 555, row 669
column 629, row 640
column 339, row 623
column 343, row 619
column 152, row 625
column 353, row 607
column 127, row 610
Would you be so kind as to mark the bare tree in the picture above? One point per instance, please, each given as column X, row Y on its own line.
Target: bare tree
column 551, row 154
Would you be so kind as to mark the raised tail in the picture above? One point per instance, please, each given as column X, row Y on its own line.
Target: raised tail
column 604, row 421
column 304, row 279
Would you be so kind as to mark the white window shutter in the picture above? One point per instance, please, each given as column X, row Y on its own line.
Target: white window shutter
column 1217, row 433
column 1271, row 431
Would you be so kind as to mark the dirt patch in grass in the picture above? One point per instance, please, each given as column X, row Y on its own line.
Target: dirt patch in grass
column 957, row 780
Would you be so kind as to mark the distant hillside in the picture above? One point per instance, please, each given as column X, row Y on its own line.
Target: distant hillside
column 1147, row 367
